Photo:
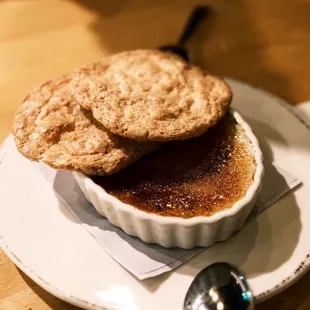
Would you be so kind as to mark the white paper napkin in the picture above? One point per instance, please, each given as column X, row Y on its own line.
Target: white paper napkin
column 145, row 260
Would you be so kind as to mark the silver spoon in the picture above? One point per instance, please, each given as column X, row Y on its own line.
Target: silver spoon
column 197, row 16
column 219, row 287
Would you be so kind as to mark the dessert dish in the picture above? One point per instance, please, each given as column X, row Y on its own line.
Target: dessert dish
column 152, row 143
column 187, row 200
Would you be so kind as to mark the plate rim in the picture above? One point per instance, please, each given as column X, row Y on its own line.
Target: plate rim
column 304, row 266
column 301, row 269
column 45, row 285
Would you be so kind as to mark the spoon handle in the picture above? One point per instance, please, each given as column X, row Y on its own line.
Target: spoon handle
column 193, row 22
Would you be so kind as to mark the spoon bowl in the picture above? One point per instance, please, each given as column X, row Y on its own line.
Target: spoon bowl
column 219, row 287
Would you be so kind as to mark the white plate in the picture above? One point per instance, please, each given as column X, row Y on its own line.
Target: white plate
column 44, row 240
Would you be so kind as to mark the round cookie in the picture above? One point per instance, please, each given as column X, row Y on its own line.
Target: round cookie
column 52, row 127
column 151, row 95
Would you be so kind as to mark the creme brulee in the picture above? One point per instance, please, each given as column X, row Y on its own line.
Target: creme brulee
column 195, row 177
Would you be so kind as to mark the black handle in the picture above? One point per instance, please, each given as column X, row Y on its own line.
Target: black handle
column 198, row 14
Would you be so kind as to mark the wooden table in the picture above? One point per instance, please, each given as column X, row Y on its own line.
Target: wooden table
column 265, row 43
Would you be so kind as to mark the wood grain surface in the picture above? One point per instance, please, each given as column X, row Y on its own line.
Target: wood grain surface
column 265, row 43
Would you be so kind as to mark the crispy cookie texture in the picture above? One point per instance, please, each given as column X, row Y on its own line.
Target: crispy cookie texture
column 50, row 126
column 151, row 95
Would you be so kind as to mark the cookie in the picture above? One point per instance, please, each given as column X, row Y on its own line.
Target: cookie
column 50, row 126
column 151, row 95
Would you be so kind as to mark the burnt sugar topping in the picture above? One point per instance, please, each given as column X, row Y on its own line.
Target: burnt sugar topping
column 196, row 177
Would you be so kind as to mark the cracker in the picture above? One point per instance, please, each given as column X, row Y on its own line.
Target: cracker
column 151, row 95
column 51, row 127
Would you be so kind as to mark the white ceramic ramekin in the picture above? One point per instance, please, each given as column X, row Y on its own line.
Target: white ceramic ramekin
column 173, row 231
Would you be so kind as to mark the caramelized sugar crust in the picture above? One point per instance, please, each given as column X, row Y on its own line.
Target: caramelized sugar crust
column 196, row 177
